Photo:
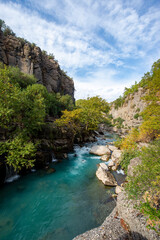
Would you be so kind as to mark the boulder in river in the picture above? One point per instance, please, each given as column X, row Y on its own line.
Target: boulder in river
column 105, row 158
column 116, row 154
column 105, row 176
column 112, row 148
column 100, row 150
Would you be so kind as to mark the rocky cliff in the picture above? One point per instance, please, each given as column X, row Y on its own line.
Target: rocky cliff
column 131, row 108
column 31, row 60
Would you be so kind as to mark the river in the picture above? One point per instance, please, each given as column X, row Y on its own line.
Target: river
column 56, row 206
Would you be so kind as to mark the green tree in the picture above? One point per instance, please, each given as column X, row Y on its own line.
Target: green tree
column 22, row 113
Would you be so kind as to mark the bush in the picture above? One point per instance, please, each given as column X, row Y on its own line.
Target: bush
column 126, row 156
column 136, row 116
column 145, row 184
column 130, row 141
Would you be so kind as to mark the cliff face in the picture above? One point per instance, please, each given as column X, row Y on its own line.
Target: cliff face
column 31, row 60
column 131, row 109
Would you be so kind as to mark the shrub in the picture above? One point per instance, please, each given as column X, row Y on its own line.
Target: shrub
column 145, row 184
column 129, row 142
column 136, row 116
column 126, row 156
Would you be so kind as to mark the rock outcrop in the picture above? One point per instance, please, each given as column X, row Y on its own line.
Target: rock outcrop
column 131, row 167
column 129, row 111
column 31, row 60
column 124, row 223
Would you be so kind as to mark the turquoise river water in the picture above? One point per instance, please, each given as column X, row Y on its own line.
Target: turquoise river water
column 56, row 206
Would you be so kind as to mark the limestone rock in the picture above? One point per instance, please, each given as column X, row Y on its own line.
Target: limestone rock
column 116, row 154
column 103, row 166
column 136, row 221
column 31, row 60
column 105, row 176
column 105, row 158
column 111, row 164
column 118, row 189
column 112, row 148
column 133, row 163
column 100, row 150
column 133, row 104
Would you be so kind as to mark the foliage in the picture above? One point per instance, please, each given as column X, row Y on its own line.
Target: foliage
column 126, row 156
column 19, row 152
column 6, row 29
column 65, row 101
column 149, row 80
column 89, row 113
column 93, row 110
column 150, row 128
column 118, row 122
column 16, row 77
column 145, row 184
column 118, row 142
column 119, row 102
column 129, row 142
column 136, row 116
column 70, row 119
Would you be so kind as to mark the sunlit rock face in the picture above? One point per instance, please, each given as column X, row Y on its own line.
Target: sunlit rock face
column 31, row 60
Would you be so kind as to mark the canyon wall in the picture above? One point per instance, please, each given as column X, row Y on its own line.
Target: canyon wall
column 31, row 60
column 131, row 108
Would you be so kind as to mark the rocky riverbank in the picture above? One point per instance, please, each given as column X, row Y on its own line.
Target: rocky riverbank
column 125, row 222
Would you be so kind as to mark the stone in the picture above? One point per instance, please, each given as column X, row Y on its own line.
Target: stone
column 31, row 60
column 111, row 164
column 118, row 189
column 106, row 177
column 112, row 148
column 133, row 104
column 103, row 166
column 116, row 154
column 100, row 150
column 105, row 158
column 131, row 167
column 114, row 168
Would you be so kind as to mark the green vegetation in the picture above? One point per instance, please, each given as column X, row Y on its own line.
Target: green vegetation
column 149, row 80
column 126, row 156
column 24, row 106
column 88, row 114
column 6, row 29
column 118, row 122
column 136, row 116
column 145, row 184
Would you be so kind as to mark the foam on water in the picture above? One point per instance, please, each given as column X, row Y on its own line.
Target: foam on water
column 13, row 178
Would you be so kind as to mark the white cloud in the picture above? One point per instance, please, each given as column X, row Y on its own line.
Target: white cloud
column 102, row 82
column 93, row 34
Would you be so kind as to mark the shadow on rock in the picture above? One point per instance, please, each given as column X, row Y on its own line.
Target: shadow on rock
column 131, row 236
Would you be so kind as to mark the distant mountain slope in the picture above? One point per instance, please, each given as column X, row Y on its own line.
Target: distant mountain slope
column 131, row 108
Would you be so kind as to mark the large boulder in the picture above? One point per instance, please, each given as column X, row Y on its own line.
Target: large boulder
column 116, row 154
column 105, row 176
column 131, row 167
column 112, row 148
column 105, row 158
column 100, row 150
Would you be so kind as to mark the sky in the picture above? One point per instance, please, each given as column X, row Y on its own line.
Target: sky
column 104, row 45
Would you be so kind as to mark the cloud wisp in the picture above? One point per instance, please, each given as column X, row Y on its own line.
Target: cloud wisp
column 91, row 36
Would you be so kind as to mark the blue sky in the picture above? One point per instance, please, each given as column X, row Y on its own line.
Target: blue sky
column 105, row 45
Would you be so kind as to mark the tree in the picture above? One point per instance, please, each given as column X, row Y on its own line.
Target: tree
column 22, row 113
